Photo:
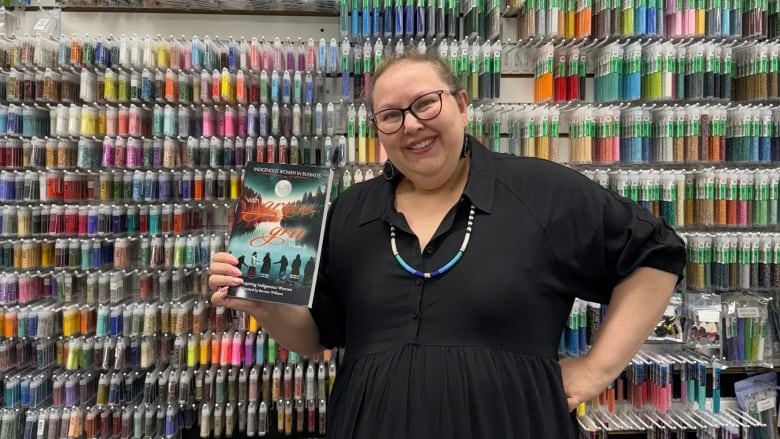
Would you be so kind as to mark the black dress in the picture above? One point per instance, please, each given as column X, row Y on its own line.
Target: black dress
column 473, row 353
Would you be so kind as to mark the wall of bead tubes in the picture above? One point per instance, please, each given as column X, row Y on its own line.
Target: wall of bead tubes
column 673, row 105
column 117, row 191
column 121, row 159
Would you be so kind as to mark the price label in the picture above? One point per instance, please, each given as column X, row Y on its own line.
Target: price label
column 41, row 24
column 748, row 312
column 708, row 316
column 765, row 404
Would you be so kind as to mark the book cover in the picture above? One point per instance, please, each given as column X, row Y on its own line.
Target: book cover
column 277, row 231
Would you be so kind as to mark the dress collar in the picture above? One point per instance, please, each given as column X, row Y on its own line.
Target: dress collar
column 480, row 187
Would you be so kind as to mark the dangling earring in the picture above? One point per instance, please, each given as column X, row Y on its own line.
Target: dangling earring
column 466, row 146
column 388, row 171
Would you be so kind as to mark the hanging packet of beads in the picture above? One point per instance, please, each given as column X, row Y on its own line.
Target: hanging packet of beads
column 569, row 67
column 745, row 326
column 723, row 262
column 669, row 327
column 774, row 313
column 606, row 135
column 573, row 342
column 702, row 322
column 698, row 267
column 582, row 130
column 476, row 122
column 543, row 74
column 608, row 73
column 761, row 405
column 582, row 328
column 494, row 115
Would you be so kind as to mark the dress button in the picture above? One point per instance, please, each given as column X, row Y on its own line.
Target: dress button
column 418, row 281
column 429, row 250
column 415, row 314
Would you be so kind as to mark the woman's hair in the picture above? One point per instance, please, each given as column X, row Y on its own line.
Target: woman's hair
column 410, row 54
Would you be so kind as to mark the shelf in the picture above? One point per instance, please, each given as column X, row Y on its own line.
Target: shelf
column 161, row 10
column 699, row 166
column 217, row 10
column 720, row 228
column 590, row 43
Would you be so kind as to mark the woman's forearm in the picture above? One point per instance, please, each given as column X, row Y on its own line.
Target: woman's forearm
column 637, row 304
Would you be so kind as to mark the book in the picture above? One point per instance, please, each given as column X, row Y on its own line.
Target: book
column 277, row 231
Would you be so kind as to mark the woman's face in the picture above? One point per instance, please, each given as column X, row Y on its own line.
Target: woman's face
column 421, row 148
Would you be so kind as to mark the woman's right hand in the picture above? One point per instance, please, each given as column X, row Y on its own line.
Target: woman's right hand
column 223, row 272
column 294, row 324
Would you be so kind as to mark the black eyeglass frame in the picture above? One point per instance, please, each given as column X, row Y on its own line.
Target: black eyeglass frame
column 408, row 108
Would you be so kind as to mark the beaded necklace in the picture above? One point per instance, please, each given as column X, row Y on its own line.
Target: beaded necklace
column 446, row 266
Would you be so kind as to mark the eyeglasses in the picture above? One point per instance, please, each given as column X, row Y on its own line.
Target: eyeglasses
column 425, row 107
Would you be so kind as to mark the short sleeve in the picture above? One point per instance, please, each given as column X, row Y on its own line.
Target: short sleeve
column 327, row 308
column 599, row 238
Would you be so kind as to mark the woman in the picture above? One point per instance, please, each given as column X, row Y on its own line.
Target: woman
column 449, row 281
column 251, row 272
column 283, row 262
column 295, row 269
column 265, row 269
